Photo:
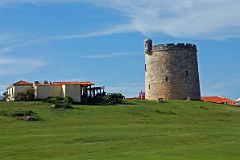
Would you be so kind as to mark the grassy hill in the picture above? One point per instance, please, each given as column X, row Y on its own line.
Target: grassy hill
column 137, row 130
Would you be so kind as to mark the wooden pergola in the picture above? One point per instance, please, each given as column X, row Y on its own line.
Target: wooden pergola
column 92, row 92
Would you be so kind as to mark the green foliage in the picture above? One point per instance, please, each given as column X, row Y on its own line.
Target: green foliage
column 27, row 115
column 67, row 100
column 114, row 98
column 59, row 103
column 27, row 95
column 53, row 100
column 20, row 96
column 4, row 96
column 19, row 113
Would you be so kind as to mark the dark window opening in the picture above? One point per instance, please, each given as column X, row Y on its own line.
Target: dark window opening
column 186, row 73
column 149, row 86
column 166, row 79
column 145, row 68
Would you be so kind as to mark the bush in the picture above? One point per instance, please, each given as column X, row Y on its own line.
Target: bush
column 53, row 100
column 27, row 95
column 67, row 100
column 4, row 96
column 59, row 103
column 114, row 98
column 21, row 113
column 26, row 115
column 20, row 96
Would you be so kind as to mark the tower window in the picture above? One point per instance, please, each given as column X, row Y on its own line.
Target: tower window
column 166, row 79
column 145, row 68
column 186, row 73
column 149, row 86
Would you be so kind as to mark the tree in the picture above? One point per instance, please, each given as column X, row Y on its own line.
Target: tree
column 114, row 98
column 4, row 96
column 27, row 95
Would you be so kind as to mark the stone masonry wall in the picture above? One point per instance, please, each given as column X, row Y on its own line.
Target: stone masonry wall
column 171, row 72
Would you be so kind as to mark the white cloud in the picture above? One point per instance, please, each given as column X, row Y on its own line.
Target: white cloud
column 9, row 38
column 123, row 28
column 113, row 55
column 11, row 41
column 26, row 41
column 185, row 18
column 10, row 66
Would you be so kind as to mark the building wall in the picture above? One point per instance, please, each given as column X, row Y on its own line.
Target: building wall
column 171, row 72
column 16, row 89
column 73, row 91
column 10, row 94
column 45, row 91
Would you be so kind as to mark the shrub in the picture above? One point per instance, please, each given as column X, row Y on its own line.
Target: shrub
column 27, row 95
column 26, row 115
column 114, row 98
column 53, row 100
column 59, row 103
column 20, row 96
column 4, row 96
column 67, row 100
column 21, row 113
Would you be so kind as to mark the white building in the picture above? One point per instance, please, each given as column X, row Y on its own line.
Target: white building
column 76, row 90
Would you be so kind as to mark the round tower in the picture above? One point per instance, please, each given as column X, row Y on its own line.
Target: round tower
column 171, row 71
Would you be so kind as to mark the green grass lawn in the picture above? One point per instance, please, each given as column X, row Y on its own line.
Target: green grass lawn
column 137, row 130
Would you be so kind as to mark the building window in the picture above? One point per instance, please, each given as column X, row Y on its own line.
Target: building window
column 186, row 73
column 149, row 86
column 166, row 79
column 145, row 68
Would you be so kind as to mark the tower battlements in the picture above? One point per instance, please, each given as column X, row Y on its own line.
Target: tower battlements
column 174, row 46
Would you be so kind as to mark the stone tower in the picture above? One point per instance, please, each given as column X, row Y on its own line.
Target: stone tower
column 171, row 71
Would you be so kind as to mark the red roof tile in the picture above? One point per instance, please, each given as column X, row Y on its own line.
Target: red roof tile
column 47, row 84
column 22, row 83
column 218, row 99
column 74, row 83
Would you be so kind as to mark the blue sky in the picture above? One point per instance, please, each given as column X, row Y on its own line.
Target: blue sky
column 102, row 40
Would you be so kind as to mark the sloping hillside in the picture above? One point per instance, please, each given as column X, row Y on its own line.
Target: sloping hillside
column 137, row 130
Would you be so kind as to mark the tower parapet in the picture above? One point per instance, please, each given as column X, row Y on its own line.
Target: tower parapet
column 174, row 46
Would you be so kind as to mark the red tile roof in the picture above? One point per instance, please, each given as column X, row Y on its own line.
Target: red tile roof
column 74, row 83
column 22, row 83
column 47, row 84
column 217, row 99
